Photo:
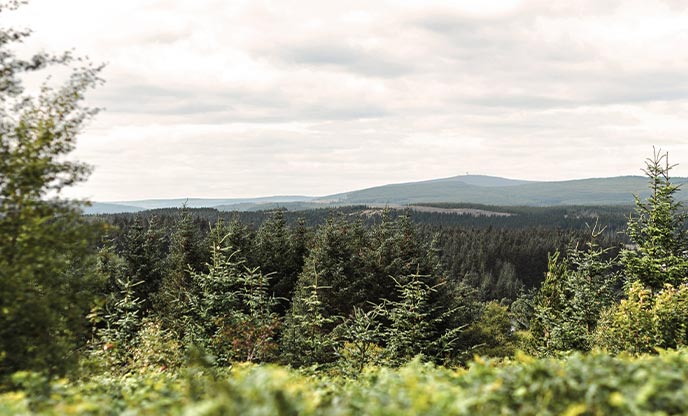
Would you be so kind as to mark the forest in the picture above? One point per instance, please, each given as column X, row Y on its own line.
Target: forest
column 354, row 310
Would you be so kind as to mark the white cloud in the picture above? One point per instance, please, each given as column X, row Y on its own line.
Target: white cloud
column 244, row 98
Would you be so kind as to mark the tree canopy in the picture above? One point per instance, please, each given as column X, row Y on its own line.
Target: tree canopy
column 43, row 238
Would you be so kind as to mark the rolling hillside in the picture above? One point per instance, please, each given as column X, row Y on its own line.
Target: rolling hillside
column 478, row 189
column 597, row 191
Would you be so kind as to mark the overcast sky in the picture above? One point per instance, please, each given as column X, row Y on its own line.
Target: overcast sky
column 209, row 98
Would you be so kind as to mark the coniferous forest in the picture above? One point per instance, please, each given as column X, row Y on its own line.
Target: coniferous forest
column 350, row 310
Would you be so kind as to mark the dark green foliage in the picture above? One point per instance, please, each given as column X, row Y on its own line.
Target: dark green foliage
column 280, row 251
column 338, row 260
column 658, row 230
column 45, row 261
column 307, row 338
column 144, row 254
column 416, row 324
column 118, row 321
column 186, row 253
column 491, row 254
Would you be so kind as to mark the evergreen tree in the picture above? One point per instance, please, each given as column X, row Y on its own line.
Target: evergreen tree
column 229, row 311
column 359, row 341
column 118, row 321
column 276, row 255
column 337, row 260
column 186, row 254
column 416, row 325
column 655, row 309
column 143, row 251
column 658, row 230
column 577, row 289
column 307, row 338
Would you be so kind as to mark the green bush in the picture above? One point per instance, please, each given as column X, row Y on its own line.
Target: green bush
column 645, row 320
column 592, row 384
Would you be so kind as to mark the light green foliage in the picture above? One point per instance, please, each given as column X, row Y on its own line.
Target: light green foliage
column 646, row 320
column 491, row 335
column 655, row 311
column 45, row 263
column 156, row 349
column 576, row 290
column 594, row 384
column 359, row 339
column 658, row 229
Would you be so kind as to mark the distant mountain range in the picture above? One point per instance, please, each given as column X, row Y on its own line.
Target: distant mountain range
column 478, row 189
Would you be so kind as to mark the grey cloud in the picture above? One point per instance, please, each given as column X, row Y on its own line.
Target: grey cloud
column 222, row 104
column 396, row 95
column 520, row 101
column 166, row 37
column 348, row 58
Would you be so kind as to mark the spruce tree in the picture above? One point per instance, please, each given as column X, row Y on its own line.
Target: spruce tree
column 185, row 255
column 658, row 231
column 576, row 290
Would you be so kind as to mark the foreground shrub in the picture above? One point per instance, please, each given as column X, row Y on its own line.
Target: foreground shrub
column 595, row 384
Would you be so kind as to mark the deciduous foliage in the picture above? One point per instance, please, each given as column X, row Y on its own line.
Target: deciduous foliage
column 646, row 320
column 44, row 241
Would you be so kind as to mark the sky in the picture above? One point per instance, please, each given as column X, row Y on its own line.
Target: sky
column 210, row 98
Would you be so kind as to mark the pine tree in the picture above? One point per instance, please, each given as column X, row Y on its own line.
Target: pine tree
column 658, row 230
column 577, row 289
column 337, row 260
column 229, row 311
column 416, row 324
column 186, row 254
column 307, row 338
column 274, row 255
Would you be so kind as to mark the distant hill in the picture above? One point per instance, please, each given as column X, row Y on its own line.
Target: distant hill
column 480, row 180
column 110, row 208
column 477, row 189
column 209, row 202
column 499, row 191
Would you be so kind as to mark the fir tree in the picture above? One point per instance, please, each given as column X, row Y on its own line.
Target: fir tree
column 658, row 230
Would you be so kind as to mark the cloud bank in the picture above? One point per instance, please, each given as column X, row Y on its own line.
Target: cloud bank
column 211, row 98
